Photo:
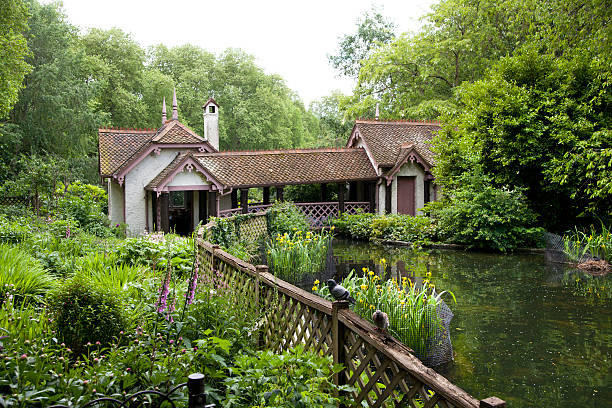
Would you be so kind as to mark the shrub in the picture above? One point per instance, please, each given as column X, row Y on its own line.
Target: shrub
column 375, row 227
column 84, row 312
column 85, row 204
column 23, row 272
column 156, row 250
column 286, row 218
column 295, row 378
column 14, row 230
column 482, row 216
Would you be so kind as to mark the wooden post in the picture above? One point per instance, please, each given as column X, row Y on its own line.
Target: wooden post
column 234, row 194
column 195, row 386
column 244, row 200
column 279, row 193
column 323, row 192
column 212, row 204
column 372, row 195
column 338, row 340
column 259, row 269
column 492, row 402
column 266, row 195
column 214, row 262
column 158, row 215
column 340, row 198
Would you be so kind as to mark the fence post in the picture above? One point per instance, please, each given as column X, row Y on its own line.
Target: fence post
column 338, row 340
column 492, row 402
column 259, row 269
column 195, row 386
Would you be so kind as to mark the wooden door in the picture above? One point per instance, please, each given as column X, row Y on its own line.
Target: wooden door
column 406, row 195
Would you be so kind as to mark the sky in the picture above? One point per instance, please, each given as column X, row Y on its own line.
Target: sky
column 288, row 38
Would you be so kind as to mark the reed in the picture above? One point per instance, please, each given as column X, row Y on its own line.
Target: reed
column 594, row 243
column 411, row 307
column 22, row 273
column 292, row 256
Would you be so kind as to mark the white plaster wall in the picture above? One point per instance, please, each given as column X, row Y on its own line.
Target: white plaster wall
column 410, row 169
column 381, row 197
column 187, row 178
column 115, row 202
column 136, row 180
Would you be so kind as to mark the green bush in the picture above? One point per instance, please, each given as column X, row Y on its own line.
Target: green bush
column 85, row 204
column 482, row 216
column 285, row 217
column 14, row 230
column 155, row 250
column 295, row 378
column 22, row 273
column 374, row 227
column 85, row 312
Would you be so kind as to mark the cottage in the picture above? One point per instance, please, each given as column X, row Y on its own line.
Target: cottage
column 171, row 178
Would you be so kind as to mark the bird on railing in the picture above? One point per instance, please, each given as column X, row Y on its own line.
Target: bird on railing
column 338, row 291
column 381, row 320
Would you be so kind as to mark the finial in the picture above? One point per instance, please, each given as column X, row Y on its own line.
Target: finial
column 164, row 111
column 174, row 106
column 377, row 112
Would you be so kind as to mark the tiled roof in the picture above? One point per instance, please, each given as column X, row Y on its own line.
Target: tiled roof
column 118, row 145
column 280, row 167
column 153, row 184
column 174, row 131
column 118, row 148
column 385, row 138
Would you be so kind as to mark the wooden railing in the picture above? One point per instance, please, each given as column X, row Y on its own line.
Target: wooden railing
column 381, row 371
column 317, row 213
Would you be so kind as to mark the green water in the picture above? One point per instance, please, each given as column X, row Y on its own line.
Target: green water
column 526, row 330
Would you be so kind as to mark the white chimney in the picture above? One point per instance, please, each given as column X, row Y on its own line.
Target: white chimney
column 211, row 123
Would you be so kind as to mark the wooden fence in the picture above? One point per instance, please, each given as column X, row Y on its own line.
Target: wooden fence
column 382, row 371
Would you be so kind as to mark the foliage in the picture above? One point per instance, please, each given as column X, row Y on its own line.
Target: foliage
column 85, row 312
column 223, row 231
column 334, row 129
column 23, row 274
column 286, row 218
column 373, row 30
column 156, row 250
column 13, row 50
column 596, row 243
column 14, row 230
column 295, row 378
column 85, row 204
column 411, row 308
column 291, row 256
column 537, row 123
column 399, row 227
column 482, row 216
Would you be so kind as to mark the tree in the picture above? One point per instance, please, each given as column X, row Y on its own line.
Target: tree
column 13, row 50
column 537, row 123
column 373, row 29
column 334, row 130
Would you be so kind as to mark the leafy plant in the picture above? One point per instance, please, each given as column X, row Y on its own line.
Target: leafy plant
column 286, row 218
column 84, row 312
column 24, row 274
column 596, row 243
column 411, row 308
column 295, row 378
column 482, row 216
column 291, row 256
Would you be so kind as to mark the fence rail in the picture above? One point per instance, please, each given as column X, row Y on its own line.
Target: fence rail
column 381, row 371
column 317, row 213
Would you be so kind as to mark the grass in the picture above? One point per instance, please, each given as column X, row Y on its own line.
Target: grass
column 24, row 275
column 291, row 256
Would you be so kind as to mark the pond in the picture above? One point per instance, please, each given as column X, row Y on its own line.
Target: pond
column 532, row 332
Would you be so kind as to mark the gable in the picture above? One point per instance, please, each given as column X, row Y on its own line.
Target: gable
column 115, row 146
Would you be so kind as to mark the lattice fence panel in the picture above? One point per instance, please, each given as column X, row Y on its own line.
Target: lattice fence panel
column 230, row 212
column 381, row 382
column 288, row 322
column 318, row 213
column 355, row 207
column 254, row 228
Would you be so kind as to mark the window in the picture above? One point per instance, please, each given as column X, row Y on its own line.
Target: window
column 211, row 109
column 177, row 199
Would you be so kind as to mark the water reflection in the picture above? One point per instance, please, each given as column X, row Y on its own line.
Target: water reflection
column 524, row 329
